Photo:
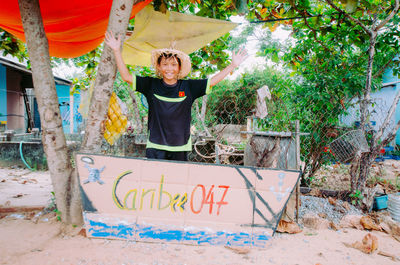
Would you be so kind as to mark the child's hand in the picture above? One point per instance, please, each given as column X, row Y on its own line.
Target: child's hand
column 112, row 42
column 239, row 57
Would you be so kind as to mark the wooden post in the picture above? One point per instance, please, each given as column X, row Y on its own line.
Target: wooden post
column 297, row 142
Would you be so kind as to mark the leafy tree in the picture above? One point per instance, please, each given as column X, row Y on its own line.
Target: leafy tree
column 341, row 50
column 12, row 46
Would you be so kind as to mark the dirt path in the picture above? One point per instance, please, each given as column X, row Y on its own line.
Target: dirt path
column 43, row 240
column 24, row 188
column 24, row 242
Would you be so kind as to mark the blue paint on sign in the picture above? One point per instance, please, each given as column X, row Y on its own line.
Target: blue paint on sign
column 124, row 231
column 100, row 229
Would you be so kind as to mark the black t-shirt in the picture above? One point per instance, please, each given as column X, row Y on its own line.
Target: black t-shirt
column 169, row 110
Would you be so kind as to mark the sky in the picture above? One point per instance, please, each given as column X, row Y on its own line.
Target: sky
column 251, row 46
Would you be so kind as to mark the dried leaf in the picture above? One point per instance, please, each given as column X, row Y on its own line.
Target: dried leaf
column 239, row 250
column 332, row 200
column 386, row 228
column 369, row 224
column 334, row 226
column 82, row 232
column 315, row 193
column 371, row 241
column 393, row 257
column 288, row 227
column 346, row 205
column 395, row 229
column 368, row 245
column 322, row 215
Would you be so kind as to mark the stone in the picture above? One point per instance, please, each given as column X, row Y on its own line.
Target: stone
column 315, row 222
column 351, row 221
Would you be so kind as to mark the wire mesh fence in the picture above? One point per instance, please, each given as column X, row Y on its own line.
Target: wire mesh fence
column 236, row 126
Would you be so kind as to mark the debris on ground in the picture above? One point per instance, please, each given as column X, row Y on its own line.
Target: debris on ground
column 391, row 256
column 334, row 212
column 239, row 250
column 389, row 226
column 369, row 224
column 288, row 227
column 368, row 245
column 351, row 221
column 315, row 222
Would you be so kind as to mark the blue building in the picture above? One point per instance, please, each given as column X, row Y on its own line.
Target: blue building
column 390, row 87
column 18, row 105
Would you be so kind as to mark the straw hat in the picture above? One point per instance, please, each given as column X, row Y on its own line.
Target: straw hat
column 186, row 64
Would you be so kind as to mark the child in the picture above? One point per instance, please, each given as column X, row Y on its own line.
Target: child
column 169, row 97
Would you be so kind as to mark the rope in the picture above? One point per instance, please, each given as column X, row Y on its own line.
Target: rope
column 223, row 150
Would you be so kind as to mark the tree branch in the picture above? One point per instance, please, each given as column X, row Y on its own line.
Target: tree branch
column 388, row 118
column 312, row 29
column 177, row 6
column 388, row 138
column 358, row 22
column 388, row 18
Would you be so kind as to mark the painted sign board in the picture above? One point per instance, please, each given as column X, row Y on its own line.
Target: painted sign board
column 155, row 200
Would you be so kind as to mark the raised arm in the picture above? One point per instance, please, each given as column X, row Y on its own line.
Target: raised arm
column 115, row 45
column 237, row 59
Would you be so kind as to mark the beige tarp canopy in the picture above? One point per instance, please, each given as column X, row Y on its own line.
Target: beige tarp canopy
column 155, row 30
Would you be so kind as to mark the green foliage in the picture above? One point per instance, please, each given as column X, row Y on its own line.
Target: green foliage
column 53, row 206
column 328, row 58
column 231, row 102
column 9, row 45
column 356, row 197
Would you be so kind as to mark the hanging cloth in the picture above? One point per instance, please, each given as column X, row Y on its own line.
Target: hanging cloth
column 155, row 30
column 73, row 28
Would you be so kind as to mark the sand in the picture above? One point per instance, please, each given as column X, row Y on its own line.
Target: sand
column 24, row 242
column 44, row 240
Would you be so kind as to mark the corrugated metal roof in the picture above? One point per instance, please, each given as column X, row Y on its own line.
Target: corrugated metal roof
column 22, row 68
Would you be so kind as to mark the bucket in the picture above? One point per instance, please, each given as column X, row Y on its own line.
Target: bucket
column 380, row 202
column 393, row 206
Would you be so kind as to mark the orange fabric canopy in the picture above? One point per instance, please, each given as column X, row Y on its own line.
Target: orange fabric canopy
column 73, row 27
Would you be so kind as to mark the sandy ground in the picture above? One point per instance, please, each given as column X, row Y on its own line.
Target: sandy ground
column 24, row 242
column 24, row 188
column 43, row 240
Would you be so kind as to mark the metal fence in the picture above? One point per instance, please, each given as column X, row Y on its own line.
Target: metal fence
column 224, row 131
column 229, row 127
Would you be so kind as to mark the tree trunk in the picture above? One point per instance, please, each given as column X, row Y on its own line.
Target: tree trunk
column 360, row 166
column 364, row 167
column 138, row 125
column 53, row 138
column 103, row 87
column 364, row 104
